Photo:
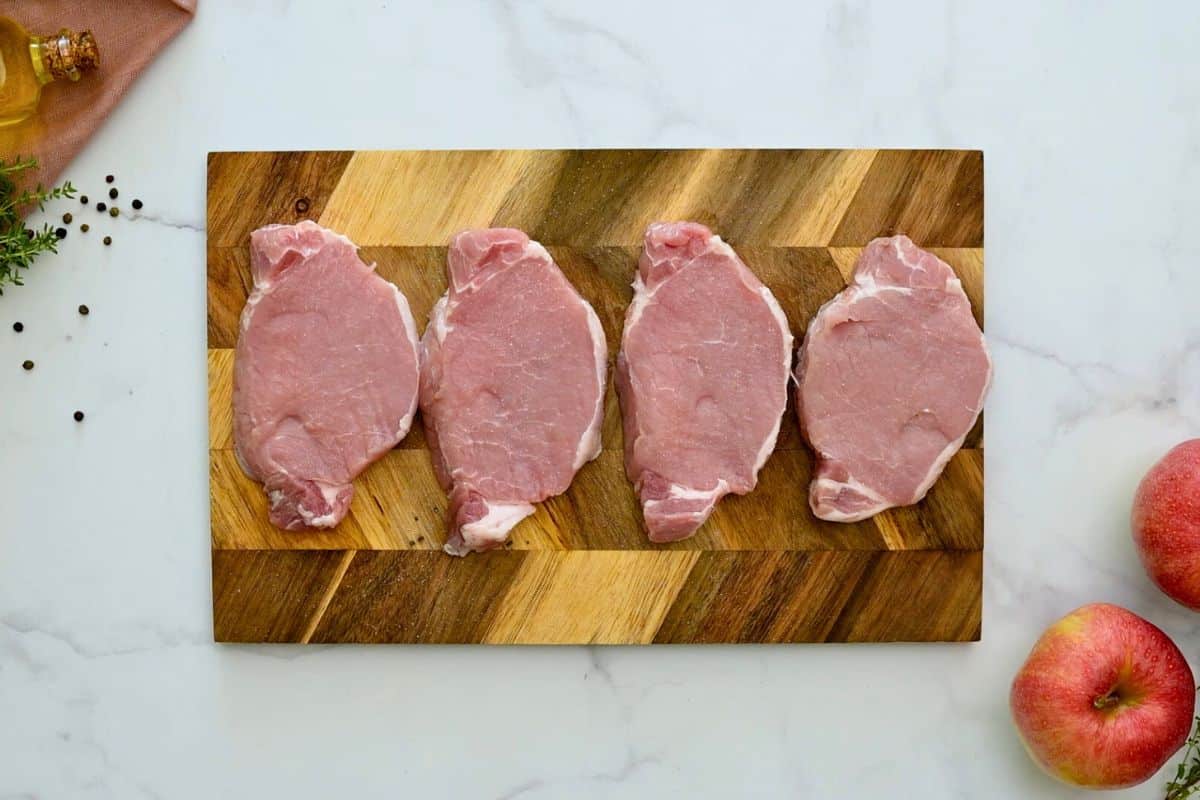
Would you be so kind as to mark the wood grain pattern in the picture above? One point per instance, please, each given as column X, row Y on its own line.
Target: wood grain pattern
column 580, row 570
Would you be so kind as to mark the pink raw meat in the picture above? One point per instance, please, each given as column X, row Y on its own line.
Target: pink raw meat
column 891, row 378
column 702, row 377
column 512, row 384
column 326, row 373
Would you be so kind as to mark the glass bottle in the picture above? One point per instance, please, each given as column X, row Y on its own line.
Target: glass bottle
column 27, row 63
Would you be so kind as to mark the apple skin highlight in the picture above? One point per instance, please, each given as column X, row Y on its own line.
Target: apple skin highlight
column 1166, row 523
column 1104, row 699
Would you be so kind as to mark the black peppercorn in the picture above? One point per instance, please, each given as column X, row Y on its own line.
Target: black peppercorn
column 18, row 327
column 114, row 211
column 27, row 365
column 302, row 205
column 67, row 218
column 84, row 310
column 108, row 240
column 101, row 207
column 78, row 416
column 112, row 193
column 109, row 179
column 83, row 199
column 60, row 233
column 137, row 205
column 85, row 227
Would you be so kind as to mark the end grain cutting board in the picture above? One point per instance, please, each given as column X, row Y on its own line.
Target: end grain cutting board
column 763, row 569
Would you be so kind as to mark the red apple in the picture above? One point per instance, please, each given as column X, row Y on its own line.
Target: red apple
column 1104, row 699
column 1166, row 523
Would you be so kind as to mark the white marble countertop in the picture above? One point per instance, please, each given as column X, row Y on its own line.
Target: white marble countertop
column 110, row 685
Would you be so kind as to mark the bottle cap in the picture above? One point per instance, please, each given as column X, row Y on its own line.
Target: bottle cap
column 69, row 54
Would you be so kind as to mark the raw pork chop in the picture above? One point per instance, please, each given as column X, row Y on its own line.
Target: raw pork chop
column 702, row 376
column 890, row 380
column 326, row 375
column 512, row 384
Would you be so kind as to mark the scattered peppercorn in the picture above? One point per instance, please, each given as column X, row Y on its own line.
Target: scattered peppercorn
column 67, row 218
column 114, row 211
column 109, row 179
column 113, row 193
column 137, row 205
column 108, row 240
column 83, row 199
column 78, row 416
column 101, row 207
column 60, row 233
column 27, row 365
column 85, row 227
column 84, row 310
column 18, row 326
column 302, row 205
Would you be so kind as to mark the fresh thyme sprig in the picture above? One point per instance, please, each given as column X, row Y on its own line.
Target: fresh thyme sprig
column 19, row 245
column 1187, row 774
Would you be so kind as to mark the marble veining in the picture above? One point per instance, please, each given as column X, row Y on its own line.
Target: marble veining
column 110, row 686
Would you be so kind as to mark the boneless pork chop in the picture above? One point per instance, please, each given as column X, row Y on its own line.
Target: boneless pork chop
column 702, row 377
column 326, row 372
column 890, row 380
column 512, row 384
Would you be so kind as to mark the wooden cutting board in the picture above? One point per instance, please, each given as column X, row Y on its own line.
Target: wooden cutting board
column 763, row 569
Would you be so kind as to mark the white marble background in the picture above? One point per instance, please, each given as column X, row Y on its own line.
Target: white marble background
column 110, row 687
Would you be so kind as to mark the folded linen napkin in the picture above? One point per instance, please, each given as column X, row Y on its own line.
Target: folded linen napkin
column 129, row 34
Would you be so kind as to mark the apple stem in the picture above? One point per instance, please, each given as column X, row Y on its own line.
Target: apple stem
column 1105, row 701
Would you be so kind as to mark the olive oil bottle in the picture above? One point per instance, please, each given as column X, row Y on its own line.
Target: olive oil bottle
column 27, row 63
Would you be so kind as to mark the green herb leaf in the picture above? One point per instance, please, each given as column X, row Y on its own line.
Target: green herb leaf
column 1187, row 774
column 19, row 246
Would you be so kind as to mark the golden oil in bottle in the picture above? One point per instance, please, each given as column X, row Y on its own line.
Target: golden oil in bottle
column 27, row 63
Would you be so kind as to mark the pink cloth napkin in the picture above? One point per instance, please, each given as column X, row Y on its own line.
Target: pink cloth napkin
column 129, row 34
